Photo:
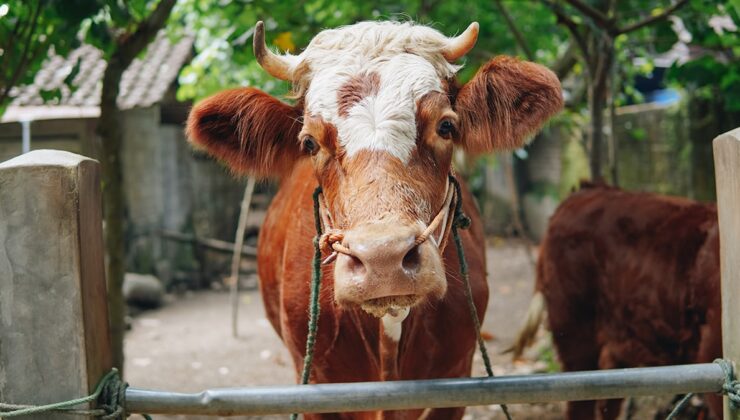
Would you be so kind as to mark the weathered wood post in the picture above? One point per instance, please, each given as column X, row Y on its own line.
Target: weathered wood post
column 54, row 339
column 727, row 168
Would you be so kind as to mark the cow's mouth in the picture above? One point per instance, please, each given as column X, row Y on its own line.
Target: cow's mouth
column 391, row 305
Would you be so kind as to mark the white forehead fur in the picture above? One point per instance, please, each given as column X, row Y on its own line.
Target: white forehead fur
column 409, row 63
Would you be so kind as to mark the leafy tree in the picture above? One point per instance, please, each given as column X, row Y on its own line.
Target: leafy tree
column 714, row 72
column 596, row 26
column 29, row 30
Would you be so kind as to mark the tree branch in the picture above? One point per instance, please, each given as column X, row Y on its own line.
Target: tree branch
column 130, row 46
column 572, row 27
column 601, row 19
column 11, row 38
column 565, row 62
column 652, row 19
column 514, row 30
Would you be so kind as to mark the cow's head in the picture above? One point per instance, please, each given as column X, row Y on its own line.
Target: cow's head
column 378, row 114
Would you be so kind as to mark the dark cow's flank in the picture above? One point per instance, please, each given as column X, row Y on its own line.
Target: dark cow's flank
column 631, row 280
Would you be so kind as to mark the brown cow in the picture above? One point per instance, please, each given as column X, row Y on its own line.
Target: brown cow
column 375, row 123
column 629, row 280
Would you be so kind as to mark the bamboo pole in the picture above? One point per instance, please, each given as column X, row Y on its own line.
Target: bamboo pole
column 237, row 256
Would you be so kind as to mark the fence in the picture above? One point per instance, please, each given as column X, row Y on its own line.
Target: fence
column 54, row 342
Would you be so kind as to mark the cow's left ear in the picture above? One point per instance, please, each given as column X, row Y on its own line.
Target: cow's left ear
column 507, row 101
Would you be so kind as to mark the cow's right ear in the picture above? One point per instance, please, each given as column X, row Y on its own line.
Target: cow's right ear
column 250, row 131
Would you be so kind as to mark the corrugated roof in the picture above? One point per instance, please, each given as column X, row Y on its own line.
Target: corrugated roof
column 144, row 83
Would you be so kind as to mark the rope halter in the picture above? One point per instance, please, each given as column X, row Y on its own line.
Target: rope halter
column 331, row 240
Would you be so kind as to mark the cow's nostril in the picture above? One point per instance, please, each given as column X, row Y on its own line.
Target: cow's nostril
column 355, row 266
column 412, row 260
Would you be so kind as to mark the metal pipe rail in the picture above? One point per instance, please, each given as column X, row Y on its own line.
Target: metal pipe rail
column 458, row 392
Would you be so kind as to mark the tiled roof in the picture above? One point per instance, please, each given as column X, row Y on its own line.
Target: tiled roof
column 144, row 83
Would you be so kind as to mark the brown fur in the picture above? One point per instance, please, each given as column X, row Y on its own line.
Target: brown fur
column 631, row 280
column 249, row 130
column 505, row 102
column 355, row 89
column 438, row 337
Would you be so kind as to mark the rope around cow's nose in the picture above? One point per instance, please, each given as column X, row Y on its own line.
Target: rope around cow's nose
column 330, row 241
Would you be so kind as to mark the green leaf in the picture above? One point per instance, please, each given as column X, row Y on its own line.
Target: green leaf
column 53, row 95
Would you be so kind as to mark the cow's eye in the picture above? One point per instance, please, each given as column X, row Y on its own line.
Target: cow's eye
column 446, row 129
column 310, row 145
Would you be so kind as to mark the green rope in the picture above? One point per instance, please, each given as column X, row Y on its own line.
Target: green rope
column 679, row 406
column 730, row 388
column 461, row 221
column 110, row 393
column 313, row 315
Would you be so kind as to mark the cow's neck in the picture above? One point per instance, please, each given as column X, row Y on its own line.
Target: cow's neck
column 391, row 328
column 388, row 357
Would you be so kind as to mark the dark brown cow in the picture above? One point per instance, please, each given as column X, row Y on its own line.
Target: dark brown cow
column 377, row 117
column 629, row 280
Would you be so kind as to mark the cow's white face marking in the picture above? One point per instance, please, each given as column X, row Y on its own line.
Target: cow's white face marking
column 393, row 324
column 409, row 64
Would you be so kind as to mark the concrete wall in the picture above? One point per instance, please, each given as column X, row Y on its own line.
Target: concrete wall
column 170, row 187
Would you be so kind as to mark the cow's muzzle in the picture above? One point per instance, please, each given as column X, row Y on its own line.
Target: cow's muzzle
column 387, row 266
column 387, row 269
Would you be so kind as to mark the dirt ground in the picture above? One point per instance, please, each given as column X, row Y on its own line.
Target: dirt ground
column 187, row 345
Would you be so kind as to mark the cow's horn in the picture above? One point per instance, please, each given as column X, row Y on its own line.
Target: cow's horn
column 274, row 64
column 461, row 44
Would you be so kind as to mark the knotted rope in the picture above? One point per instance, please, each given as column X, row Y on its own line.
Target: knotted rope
column 109, row 394
column 730, row 388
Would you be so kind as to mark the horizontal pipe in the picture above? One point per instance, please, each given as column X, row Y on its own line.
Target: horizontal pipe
column 458, row 392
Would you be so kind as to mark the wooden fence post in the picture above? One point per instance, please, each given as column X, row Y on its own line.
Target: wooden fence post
column 727, row 168
column 54, row 338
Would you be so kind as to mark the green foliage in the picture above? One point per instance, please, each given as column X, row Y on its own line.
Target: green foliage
column 29, row 29
column 715, row 71
column 638, row 133
column 115, row 20
column 223, row 29
column 549, row 356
